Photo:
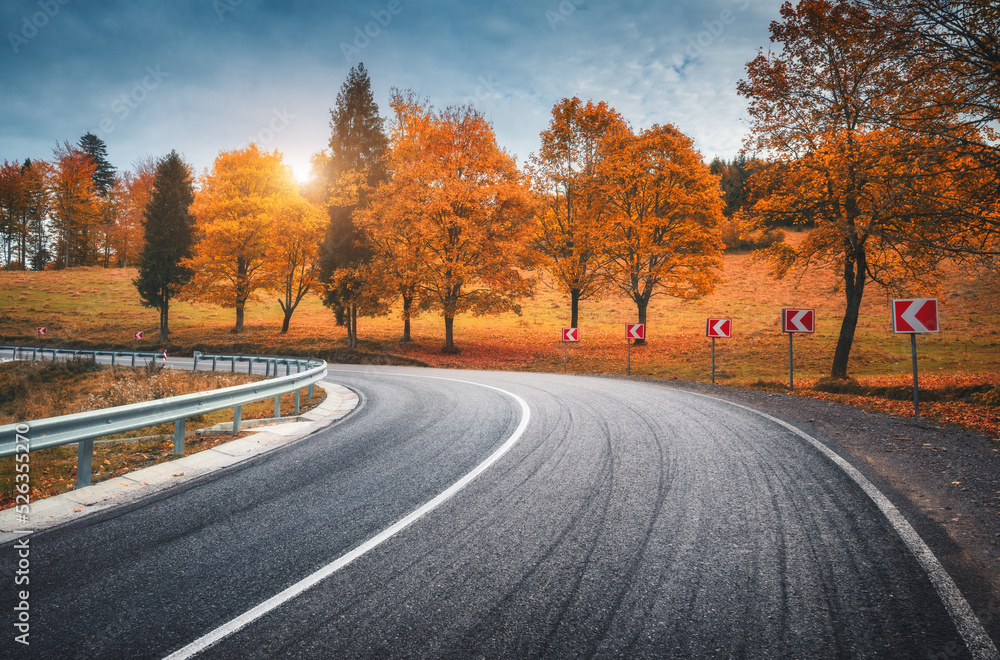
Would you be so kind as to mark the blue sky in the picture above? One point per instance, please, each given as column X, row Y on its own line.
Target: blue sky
column 208, row 76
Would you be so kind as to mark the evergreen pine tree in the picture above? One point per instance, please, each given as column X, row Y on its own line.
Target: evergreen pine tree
column 104, row 172
column 357, row 142
column 169, row 237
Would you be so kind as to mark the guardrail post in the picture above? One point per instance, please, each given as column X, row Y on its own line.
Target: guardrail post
column 84, row 462
column 297, row 393
column 237, row 414
column 277, row 406
column 133, row 359
column 232, row 369
column 215, row 359
column 312, row 387
column 267, row 368
column 288, row 367
column 250, row 366
column 179, row 436
column 34, row 354
column 112, row 358
column 197, row 354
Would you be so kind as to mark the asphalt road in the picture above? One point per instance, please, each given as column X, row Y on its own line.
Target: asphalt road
column 628, row 520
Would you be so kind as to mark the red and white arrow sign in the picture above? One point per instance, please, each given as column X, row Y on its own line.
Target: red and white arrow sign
column 571, row 334
column 635, row 330
column 798, row 320
column 41, row 331
column 722, row 328
column 137, row 334
column 915, row 315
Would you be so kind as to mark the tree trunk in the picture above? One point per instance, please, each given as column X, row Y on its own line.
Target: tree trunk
column 449, row 335
column 354, row 327
column 286, row 320
column 855, row 275
column 164, row 330
column 641, row 303
column 239, row 318
column 574, row 305
column 407, row 305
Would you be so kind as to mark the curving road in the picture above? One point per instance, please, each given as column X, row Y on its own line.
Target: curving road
column 625, row 519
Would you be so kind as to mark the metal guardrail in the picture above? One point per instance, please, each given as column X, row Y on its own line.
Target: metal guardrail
column 83, row 428
column 38, row 353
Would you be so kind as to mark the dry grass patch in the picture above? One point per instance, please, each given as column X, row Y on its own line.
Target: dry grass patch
column 35, row 390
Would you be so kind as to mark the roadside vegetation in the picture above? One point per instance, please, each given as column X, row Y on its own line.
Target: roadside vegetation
column 34, row 390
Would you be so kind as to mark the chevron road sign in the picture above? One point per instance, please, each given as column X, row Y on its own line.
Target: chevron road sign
column 718, row 329
column 916, row 315
column 137, row 334
column 912, row 317
column 798, row 320
column 721, row 328
column 41, row 331
column 571, row 334
column 635, row 330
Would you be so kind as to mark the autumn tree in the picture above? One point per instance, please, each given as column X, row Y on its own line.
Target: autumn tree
column 877, row 195
column 75, row 207
column 138, row 189
column 13, row 214
column 665, row 208
column 357, row 152
column 399, row 252
column 570, row 227
column 952, row 80
column 298, row 228
column 456, row 194
column 235, row 210
column 34, row 178
column 169, row 231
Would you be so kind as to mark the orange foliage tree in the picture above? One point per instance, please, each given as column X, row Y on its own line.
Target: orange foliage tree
column 881, row 199
column 137, row 189
column 453, row 219
column 570, row 228
column 74, row 209
column 298, row 228
column 664, row 209
column 236, row 211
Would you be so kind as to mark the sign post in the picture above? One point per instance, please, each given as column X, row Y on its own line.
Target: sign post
column 796, row 321
column 40, row 333
column 915, row 316
column 633, row 331
column 136, row 336
column 716, row 328
column 568, row 335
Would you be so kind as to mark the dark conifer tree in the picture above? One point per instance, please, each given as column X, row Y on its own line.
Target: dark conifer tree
column 104, row 172
column 357, row 142
column 169, row 237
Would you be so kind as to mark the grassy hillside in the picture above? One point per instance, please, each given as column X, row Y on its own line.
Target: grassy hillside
column 97, row 307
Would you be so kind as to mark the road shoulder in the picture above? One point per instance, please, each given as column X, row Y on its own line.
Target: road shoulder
column 79, row 503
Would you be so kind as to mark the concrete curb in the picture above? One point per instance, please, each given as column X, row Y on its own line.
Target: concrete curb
column 76, row 504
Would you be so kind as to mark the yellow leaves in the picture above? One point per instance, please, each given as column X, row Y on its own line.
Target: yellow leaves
column 254, row 229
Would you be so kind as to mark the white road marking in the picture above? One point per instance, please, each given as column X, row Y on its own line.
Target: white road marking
column 302, row 585
column 973, row 634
